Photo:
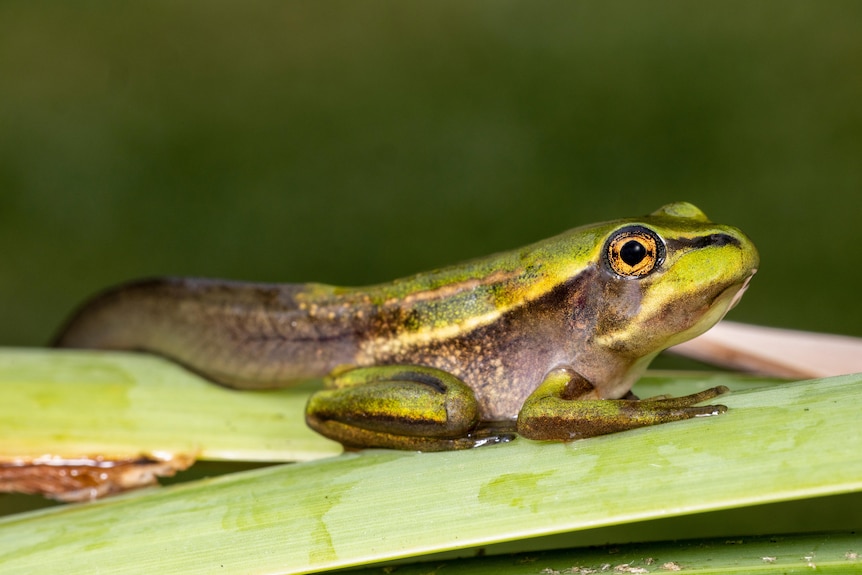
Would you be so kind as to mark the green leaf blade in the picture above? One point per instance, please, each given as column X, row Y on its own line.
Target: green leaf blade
column 779, row 443
column 74, row 403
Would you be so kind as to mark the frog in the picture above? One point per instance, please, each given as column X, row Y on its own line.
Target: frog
column 542, row 342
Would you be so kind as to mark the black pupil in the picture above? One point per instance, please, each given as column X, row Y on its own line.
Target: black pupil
column 633, row 252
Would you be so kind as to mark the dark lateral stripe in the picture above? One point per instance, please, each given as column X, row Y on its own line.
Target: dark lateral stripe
column 712, row 240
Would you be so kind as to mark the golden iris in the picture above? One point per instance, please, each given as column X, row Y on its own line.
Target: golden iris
column 634, row 252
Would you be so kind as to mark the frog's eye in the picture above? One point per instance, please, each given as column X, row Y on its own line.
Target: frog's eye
column 634, row 251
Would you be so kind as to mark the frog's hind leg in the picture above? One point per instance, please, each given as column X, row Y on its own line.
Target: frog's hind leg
column 399, row 407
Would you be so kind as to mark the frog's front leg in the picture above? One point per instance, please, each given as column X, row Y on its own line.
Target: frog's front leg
column 398, row 407
column 566, row 407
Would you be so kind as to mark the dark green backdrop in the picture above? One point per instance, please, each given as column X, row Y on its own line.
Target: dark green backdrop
column 355, row 142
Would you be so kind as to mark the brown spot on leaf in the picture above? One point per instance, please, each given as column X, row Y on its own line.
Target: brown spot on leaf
column 86, row 479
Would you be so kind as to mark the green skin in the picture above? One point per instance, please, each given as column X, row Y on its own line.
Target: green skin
column 526, row 340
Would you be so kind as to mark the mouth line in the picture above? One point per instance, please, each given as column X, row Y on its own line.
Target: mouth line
column 715, row 311
column 738, row 295
column 740, row 291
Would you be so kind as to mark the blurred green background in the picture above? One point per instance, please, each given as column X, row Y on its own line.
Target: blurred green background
column 356, row 142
